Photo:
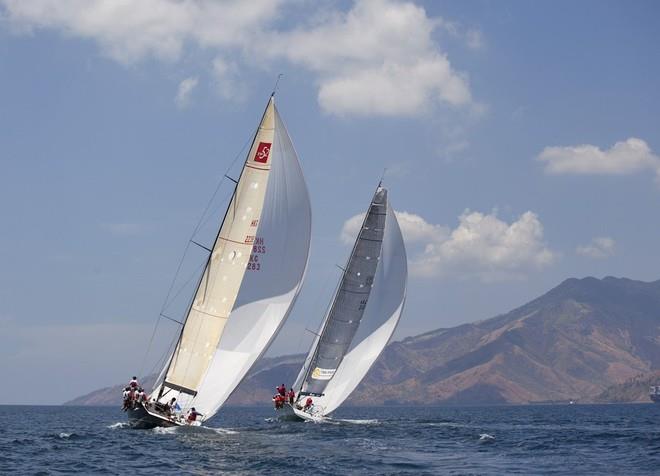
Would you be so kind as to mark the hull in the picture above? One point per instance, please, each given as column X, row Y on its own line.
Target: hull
column 308, row 415
column 140, row 417
column 292, row 413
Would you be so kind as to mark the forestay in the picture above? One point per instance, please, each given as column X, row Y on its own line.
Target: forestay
column 253, row 275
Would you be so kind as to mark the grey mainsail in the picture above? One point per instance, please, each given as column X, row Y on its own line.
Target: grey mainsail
column 347, row 309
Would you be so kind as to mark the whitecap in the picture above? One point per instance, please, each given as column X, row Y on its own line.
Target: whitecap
column 119, row 424
column 224, row 431
column 65, row 435
column 360, row 422
column 486, row 437
column 159, row 430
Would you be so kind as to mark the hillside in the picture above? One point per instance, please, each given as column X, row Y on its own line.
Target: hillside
column 572, row 343
column 634, row 390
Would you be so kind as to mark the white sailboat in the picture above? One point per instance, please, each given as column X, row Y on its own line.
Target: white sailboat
column 361, row 318
column 252, row 277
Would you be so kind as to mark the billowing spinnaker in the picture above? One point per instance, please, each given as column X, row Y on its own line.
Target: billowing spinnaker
column 275, row 270
column 224, row 274
column 350, row 301
column 379, row 320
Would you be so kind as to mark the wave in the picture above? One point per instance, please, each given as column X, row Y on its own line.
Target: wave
column 358, row 422
column 119, row 424
column 170, row 430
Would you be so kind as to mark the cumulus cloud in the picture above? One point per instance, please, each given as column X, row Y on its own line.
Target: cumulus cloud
column 626, row 157
column 376, row 58
column 481, row 246
column 184, row 92
column 129, row 31
column 600, row 247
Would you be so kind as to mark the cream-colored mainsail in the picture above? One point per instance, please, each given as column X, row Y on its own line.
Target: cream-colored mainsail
column 263, row 241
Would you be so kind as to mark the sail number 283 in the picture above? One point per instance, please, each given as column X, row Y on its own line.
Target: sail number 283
column 258, row 249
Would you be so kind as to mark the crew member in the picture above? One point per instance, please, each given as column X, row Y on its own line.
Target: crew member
column 308, row 403
column 134, row 382
column 281, row 390
column 192, row 416
column 171, row 406
column 292, row 396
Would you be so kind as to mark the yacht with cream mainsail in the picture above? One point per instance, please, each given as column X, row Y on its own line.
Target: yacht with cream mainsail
column 361, row 318
column 252, row 276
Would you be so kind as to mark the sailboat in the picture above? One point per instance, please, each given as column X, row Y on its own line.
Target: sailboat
column 361, row 318
column 251, row 279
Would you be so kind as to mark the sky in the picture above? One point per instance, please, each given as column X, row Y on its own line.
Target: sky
column 521, row 143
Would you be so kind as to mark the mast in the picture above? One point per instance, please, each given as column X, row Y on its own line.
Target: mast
column 232, row 204
column 349, row 301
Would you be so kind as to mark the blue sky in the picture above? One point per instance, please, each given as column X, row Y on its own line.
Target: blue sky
column 521, row 141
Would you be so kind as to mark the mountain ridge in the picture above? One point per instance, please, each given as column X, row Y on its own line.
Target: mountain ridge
column 571, row 343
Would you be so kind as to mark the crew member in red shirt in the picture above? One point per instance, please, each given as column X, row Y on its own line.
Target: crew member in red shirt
column 192, row 416
column 292, row 396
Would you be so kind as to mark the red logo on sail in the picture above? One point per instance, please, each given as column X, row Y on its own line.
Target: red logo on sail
column 263, row 152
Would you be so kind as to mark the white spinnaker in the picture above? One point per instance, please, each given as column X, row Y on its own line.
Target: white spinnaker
column 273, row 280
column 379, row 321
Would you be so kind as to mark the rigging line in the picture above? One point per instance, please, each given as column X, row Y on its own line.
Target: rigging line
column 183, row 286
column 279, row 76
column 316, row 305
column 171, row 319
column 144, row 359
column 185, row 251
column 221, row 204
column 162, row 358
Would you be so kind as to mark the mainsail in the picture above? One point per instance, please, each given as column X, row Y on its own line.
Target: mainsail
column 364, row 312
column 252, row 277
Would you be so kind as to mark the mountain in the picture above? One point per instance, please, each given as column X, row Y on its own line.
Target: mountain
column 572, row 343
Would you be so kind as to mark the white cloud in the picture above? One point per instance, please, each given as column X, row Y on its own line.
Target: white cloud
column 184, row 92
column 600, row 247
column 129, row 31
column 627, row 157
column 377, row 58
column 225, row 75
column 481, row 246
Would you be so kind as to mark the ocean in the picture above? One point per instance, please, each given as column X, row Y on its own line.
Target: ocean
column 558, row 440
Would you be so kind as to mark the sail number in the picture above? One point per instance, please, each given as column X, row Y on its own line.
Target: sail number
column 258, row 249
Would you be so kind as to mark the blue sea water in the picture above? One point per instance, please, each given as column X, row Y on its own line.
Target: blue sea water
column 562, row 439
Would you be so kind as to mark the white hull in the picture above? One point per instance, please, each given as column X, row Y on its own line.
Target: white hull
column 309, row 415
